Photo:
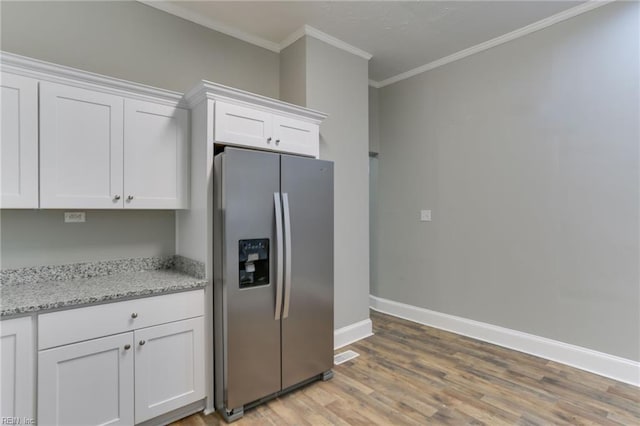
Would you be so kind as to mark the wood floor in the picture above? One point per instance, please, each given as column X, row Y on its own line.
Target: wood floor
column 416, row 375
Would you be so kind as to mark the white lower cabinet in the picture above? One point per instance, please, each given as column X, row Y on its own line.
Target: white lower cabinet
column 17, row 368
column 87, row 383
column 152, row 366
column 169, row 367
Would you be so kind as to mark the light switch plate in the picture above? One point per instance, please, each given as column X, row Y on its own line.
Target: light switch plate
column 74, row 217
column 425, row 215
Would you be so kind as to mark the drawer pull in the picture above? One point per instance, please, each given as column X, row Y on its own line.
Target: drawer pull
column 129, row 198
column 116, row 198
column 127, row 347
column 134, row 315
column 277, row 141
column 142, row 342
column 269, row 140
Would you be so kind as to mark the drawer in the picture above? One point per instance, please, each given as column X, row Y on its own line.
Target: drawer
column 75, row 325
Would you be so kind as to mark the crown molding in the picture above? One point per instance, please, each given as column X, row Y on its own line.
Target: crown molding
column 307, row 30
column 47, row 71
column 292, row 38
column 184, row 13
column 521, row 32
column 219, row 92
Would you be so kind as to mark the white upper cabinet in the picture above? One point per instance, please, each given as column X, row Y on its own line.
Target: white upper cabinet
column 100, row 151
column 254, row 121
column 19, row 143
column 77, row 140
column 81, row 148
column 254, row 128
column 155, row 156
column 296, row 136
column 238, row 125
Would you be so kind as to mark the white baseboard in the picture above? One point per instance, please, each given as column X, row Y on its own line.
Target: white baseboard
column 611, row 366
column 352, row 333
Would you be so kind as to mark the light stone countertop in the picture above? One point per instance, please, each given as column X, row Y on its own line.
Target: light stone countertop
column 36, row 297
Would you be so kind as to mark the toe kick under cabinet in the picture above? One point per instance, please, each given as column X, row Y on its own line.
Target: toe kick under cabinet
column 121, row 363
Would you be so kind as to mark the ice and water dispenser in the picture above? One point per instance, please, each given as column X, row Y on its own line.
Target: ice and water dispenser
column 253, row 259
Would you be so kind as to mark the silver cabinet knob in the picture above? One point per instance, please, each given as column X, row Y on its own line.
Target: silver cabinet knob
column 127, row 347
column 116, row 198
column 277, row 141
column 269, row 139
column 134, row 315
column 142, row 342
column 130, row 197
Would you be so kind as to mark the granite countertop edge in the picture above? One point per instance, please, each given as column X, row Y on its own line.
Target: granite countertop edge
column 24, row 298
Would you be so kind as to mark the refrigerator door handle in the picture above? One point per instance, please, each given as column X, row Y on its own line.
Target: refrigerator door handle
column 279, row 253
column 287, row 254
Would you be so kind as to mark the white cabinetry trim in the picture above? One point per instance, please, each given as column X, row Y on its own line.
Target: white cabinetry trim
column 47, row 71
column 219, row 92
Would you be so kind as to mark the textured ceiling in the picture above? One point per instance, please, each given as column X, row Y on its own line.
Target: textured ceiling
column 400, row 35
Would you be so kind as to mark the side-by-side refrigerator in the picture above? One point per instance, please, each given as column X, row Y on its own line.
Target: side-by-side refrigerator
column 273, row 275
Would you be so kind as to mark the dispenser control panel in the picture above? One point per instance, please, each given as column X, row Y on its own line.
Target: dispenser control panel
column 253, row 259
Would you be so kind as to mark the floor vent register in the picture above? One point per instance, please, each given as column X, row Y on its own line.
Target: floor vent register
column 344, row 357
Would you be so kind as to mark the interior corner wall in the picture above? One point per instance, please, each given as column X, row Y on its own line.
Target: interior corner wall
column 337, row 84
column 374, row 120
column 135, row 42
column 528, row 156
column 293, row 73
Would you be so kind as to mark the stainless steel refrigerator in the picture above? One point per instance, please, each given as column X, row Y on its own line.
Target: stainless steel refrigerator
column 273, row 275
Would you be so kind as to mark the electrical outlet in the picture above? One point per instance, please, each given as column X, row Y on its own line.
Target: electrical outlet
column 425, row 215
column 74, row 217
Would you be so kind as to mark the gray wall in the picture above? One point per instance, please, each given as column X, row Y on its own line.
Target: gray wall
column 293, row 73
column 527, row 154
column 40, row 237
column 337, row 83
column 374, row 120
column 333, row 81
column 135, row 42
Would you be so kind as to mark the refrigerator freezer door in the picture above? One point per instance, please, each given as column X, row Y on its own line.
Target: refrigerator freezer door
column 251, row 361
column 307, row 330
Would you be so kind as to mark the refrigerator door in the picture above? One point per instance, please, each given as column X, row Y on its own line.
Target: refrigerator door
column 307, row 318
column 246, row 293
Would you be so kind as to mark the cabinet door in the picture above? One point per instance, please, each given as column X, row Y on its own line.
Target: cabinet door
column 17, row 359
column 295, row 136
column 87, row 383
column 156, row 156
column 19, row 143
column 81, row 135
column 169, row 367
column 240, row 126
